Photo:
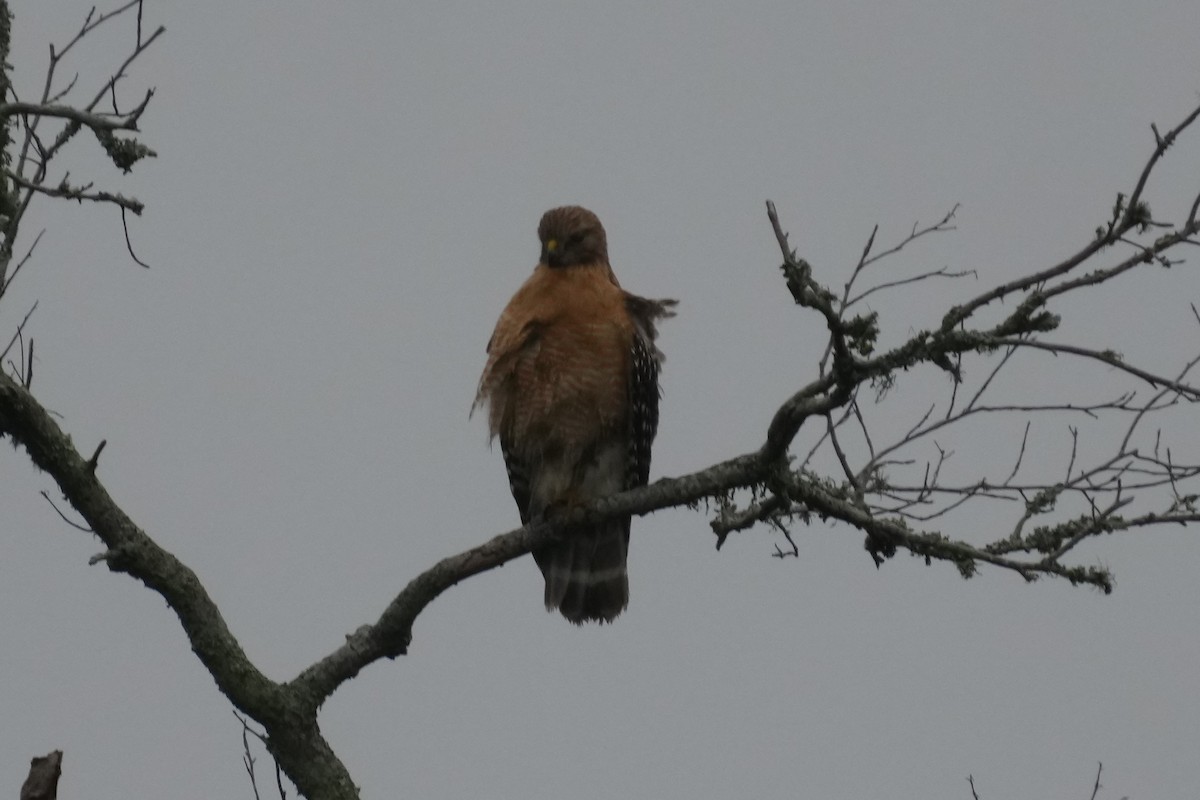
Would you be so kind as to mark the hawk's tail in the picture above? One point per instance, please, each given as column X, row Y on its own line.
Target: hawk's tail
column 585, row 572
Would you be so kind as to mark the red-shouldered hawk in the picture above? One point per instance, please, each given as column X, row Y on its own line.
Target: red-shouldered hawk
column 571, row 382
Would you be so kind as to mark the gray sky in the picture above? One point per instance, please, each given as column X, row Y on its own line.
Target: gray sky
column 344, row 199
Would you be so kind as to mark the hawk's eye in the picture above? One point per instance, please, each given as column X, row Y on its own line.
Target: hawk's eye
column 575, row 238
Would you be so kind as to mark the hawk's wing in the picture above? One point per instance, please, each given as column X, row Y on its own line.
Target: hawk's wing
column 643, row 410
column 643, row 384
column 518, row 478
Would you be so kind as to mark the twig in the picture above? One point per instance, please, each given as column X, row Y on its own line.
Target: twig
column 94, row 461
column 79, row 193
column 16, row 335
column 780, row 236
column 248, row 759
column 58, row 511
column 28, row 382
column 944, row 272
column 129, row 244
column 4, row 284
column 841, row 456
column 794, row 552
column 1152, row 404
column 1122, row 223
column 731, row 520
column 941, row 226
column 1105, row 357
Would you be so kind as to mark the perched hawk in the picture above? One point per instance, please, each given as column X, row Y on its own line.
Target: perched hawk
column 571, row 384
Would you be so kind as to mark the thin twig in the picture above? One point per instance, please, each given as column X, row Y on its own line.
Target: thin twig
column 129, row 244
column 1105, row 357
column 4, row 284
column 16, row 335
column 944, row 272
column 58, row 511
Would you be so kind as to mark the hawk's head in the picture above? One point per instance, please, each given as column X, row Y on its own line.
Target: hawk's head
column 572, row 236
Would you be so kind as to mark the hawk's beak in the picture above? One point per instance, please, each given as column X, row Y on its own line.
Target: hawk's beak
column 548, row 250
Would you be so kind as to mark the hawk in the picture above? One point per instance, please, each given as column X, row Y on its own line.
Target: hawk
column 571, row 385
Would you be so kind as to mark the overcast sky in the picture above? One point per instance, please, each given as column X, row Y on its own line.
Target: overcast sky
column 345, row 197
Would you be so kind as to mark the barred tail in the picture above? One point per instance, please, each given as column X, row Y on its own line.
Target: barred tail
column 585, row 572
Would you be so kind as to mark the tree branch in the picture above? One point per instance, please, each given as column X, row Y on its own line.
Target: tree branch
column 391, row 634
column 97, row 122
column 123, row 152
column 1126, row 217
column 42, row 782
column 79, row 193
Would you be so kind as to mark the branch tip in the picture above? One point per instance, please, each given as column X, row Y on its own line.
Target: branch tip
column 94, row 461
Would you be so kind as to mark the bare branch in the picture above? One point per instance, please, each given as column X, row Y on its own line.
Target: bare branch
column 97, row 122
column 1127, row 217
column 1161, row 144
column 17, row 334
column 129, row 244
column 248, row 759
column 792, row 552
column 849, row 473
column 731, row 520
column 4, row 284
column 941, row 226
column 131, row 551
column 42, row 782
column 63, row 516
column 94, row 461
column 943, row 272
column 1105, row 357
column 124, row 152
column 1153, row 404
column 78, row 193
